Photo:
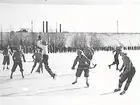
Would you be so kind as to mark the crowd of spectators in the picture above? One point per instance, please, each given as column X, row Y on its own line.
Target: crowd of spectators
column 31, row 49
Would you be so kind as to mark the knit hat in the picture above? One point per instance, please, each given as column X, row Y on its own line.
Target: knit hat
column 44, row 42
column 79, row 51
column 123, row 53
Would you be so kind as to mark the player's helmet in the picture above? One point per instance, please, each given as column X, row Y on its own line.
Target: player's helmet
column 123, row 53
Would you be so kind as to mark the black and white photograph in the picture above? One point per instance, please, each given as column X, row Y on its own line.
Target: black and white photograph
column 69, row 52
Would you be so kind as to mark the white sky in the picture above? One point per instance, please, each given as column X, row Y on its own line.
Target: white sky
column 74, row 18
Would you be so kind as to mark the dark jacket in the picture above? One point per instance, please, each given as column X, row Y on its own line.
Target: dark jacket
column 17, row 56
column 6, row 52
column 37, row 56
column 83, row 62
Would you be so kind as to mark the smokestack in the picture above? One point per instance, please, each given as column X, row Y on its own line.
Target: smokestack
column 117, row 26
column 60, row 28
column 43, row 26
column 46, row 26
column 32, row 26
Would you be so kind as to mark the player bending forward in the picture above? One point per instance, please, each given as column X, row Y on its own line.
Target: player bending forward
column 128, row 72
column 43, row 45
column 84, row 65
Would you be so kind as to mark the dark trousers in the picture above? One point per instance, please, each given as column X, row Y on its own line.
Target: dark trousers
column 45, row 61
column 82, row 69
column 15, row 66
column 6, row 60
column 35, row 63
column 116, row 61
column 128, row 76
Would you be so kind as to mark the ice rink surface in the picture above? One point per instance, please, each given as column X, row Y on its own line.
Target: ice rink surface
column 41, row 89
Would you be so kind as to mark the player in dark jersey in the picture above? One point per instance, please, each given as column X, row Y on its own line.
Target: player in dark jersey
column 37, row 56
column 84, row 65
column 128, row 72
column 17, row 58
column 116, row 58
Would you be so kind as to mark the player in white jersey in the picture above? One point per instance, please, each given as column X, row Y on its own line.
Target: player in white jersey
column 44, row 46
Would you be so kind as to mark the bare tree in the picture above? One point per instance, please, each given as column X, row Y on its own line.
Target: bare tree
column 95, row 41
column 79, row 41
column 57, row 41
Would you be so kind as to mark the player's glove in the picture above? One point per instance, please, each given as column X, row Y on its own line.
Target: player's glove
column 120, row 69
column 73, row 68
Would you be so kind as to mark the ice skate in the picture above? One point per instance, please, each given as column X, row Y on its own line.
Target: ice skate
column 109, row 66
column 54, row 76
column 123, row 92
column 22, row 76
column 7, row 68
column 87, row 84
column 117, row 69
column 74, row 82
column 37, row 72
column 116, row 90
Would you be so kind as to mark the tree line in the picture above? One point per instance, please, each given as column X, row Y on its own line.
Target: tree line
column 57, row 42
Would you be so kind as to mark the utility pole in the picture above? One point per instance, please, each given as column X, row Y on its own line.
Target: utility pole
column 117, row 26
column 32, row 26
column 43, row 26
column 60, row 28
column 10, row 27
column 32, row 33
column 55, row 37
column 1, row 36
column 46, row 26
column 48, row 36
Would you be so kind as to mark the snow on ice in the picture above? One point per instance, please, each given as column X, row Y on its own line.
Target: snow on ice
column 41, row 89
